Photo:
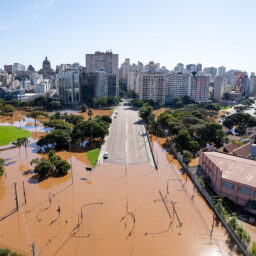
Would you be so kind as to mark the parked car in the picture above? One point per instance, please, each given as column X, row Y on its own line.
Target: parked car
column 105, row 156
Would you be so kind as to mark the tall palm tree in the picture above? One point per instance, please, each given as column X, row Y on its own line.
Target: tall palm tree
column 19, row 143
column 25, row 142
column 90, row 113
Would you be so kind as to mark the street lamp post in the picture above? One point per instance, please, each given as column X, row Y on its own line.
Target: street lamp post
column 71, row 161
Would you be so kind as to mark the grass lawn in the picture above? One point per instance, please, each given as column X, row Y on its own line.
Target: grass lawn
column 93, row 156
column 10, row 134
column 225, row 107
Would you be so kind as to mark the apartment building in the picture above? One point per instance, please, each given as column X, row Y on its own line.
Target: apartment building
column 178, row 85
column 69, row 83
column 103, row 61
column 200, row 88
column 152, row 87
column 220, row 87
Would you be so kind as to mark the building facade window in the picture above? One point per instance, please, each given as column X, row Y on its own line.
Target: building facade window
column 244, row 190
column 228, row 185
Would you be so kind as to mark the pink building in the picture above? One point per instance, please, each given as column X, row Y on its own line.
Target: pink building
column 231, row 176
column 200, row 88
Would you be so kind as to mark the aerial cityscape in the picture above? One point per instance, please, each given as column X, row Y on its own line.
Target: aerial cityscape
column 127, row 142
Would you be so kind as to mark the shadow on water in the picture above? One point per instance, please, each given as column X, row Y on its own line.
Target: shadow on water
column 10, row 163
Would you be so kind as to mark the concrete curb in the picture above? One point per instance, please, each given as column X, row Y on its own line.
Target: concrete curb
column 103, row 147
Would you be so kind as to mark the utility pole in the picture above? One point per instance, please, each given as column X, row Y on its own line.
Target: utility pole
column 16, row 196
column 24, row 192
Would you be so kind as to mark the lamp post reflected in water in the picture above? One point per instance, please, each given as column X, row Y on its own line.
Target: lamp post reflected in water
column 71, row 161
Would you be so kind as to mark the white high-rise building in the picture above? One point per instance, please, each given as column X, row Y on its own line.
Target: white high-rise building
column 178, row 85
column 125, row 68
column 17, row 67
column 221, row 71
column 42, row 87
column 69, row 83
column 253, row 83
column 101, row 88
column 151, row 87
column 179, row 68
column 131, row 80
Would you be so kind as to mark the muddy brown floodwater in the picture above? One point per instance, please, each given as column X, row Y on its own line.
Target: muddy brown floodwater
column 108, row 211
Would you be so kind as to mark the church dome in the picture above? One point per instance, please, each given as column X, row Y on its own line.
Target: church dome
column 46, row 61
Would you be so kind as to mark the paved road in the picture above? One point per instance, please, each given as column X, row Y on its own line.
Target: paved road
column 127, row 142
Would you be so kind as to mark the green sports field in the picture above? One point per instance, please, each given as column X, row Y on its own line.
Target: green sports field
column 10, row 134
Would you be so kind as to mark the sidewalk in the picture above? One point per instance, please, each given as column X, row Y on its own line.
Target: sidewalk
column 9, row 146
column 105, row 142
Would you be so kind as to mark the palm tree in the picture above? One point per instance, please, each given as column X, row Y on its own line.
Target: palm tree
column 90, row 118
column 25, row 142
column 90, row 113
column 19, row 143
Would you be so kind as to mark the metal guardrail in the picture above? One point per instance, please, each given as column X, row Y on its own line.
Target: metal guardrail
column 151, row 150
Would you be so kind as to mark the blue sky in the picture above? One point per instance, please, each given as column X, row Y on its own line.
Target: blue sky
column 219, row 32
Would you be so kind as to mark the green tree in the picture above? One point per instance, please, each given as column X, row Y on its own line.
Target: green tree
column 247, row 102
column 35, row 114
column 243, row 120
column 53, row 166
column 7, row 109
column 232, row 222
column 58, row 124
column 56, row 115
column 90, row 113
column 213, row 108
column 146, row 113
column 243, row 236
column 240, row 108
column 19, row 144
column 62, row 167
column 137, row 103
column 164, row 118
column 73, row 119
column 23, row 141
column 252, row 250
column 43, row 167
column 1, row 167
column 187, row 157
column 57, row 138
column 54, row 105
column 90, row 130
column 5, row 252
column 40, row 101
column 84, row 107
column 194, row 146
column 187, row 100
column 183, row 139
column 104, row 118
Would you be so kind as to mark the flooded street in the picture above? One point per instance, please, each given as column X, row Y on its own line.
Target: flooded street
column 108, row 211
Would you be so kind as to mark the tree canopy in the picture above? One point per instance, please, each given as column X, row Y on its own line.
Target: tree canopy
column 243, row 120
column 53, row 166
column 55, row 139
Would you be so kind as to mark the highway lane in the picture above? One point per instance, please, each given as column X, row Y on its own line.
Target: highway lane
column 127, row 142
